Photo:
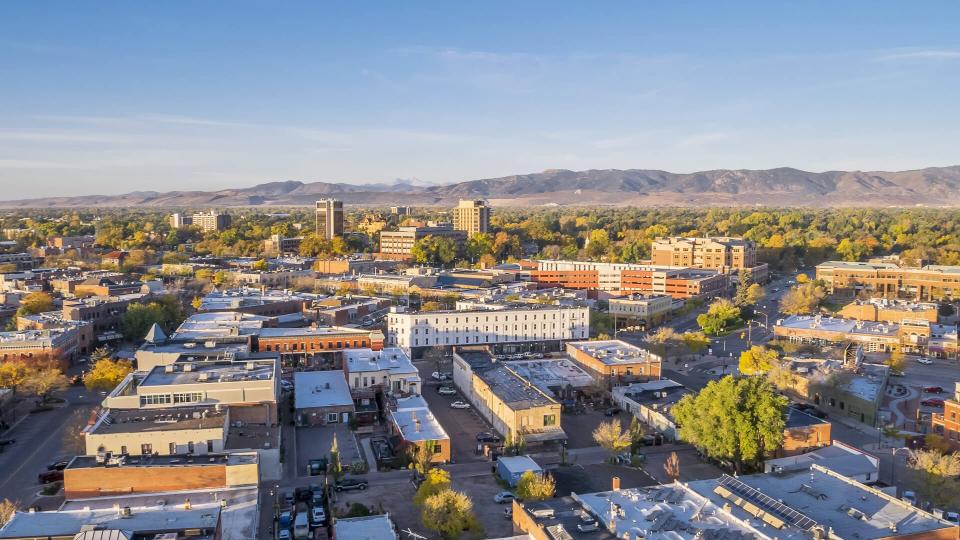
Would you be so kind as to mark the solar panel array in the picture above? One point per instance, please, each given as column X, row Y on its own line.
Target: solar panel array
column 767, row 503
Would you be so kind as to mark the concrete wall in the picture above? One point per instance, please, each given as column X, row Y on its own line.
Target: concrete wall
column 104, row 481
column 160, row 441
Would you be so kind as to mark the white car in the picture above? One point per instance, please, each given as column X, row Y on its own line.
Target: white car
column 284, row 534
column 438, row 376
column 460, row 405
column 446, row 391
column 924, row 360
column 318, row 516
column 503, row 497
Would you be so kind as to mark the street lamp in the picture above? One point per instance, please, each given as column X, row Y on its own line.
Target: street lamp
column 893, row 463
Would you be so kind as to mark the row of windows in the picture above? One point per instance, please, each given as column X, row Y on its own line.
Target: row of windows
column 480, row 339
column 496, row 318
column 313, row 346
column 147, row 448
column 476, row 329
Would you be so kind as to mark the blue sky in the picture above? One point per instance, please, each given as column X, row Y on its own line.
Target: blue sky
column 109, row 97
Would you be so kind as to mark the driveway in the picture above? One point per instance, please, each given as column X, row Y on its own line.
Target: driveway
column 462, row 425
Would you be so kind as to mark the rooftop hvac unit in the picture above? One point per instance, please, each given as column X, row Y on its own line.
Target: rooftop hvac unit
column 203, row 377
column 188, row 367
column 168, row 368
column 249, row 366
column 209, row 344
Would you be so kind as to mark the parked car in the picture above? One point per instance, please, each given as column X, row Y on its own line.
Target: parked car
column 318, row 516
column 439, row 376
column 910, row 497
column 58, row 465
column 288, row 498
column 587, row 523
column 487, row 437
column 446, row 391
column 347, row 484
column 503, row 497
column 47, row 477
column 286, row 385
column 924, row 360
column 508, row 512
column 933, row 390
column 284, row 534
column 460, row 405
column 932, row 402
column 286, row 519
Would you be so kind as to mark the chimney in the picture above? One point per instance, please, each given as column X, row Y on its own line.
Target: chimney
column 417, row 425
column 616, row 484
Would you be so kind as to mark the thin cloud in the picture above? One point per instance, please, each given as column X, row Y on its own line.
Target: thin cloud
column 929, row 54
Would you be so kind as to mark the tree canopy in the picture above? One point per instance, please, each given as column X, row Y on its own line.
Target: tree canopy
column 739, row 419
column 757, row 360
column 106, row 374
column 722, row 315
column 535, row 486
column 804, row 299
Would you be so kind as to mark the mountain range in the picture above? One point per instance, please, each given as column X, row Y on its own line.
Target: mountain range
column 933, row 186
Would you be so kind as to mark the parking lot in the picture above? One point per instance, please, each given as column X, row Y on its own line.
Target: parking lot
column 314, row 442
column 462, row 425
column 579, row 427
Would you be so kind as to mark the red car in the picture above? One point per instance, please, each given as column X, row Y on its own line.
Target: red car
column 933, row 390
column 932, row 402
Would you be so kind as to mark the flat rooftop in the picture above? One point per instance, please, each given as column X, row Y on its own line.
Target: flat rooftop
column 150, row 514
column 819, row 496
column 613, row 352
column 201, row 326
column 389, row 359
column 672, row 511
column 797, row 418
column 154, row 420
column 512, row 389
column 365, row 528
column 313, row 389
column 311, row 331
column 418, row 424
column 551, row 373
column 839, row 325
column 209, row 373
column 247, row 297
column 838, row 457
column 175, row 460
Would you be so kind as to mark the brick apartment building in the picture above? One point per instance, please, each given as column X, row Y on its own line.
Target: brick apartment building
column 928, row 283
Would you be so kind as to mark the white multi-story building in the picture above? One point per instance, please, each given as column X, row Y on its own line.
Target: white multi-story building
column 508, row 329
column 389, row 369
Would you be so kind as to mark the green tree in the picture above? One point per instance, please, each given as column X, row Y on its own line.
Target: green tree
column 740, row 419
column 431, row 306
column 598, row 243
column 695, row 342
column 757, row 360
column 611, row 437
column 261, row 265
column 43, row 382
column 535, row 487
column 435, row 480
column 478, row 245
column 449, row 513
column 106, row 374
column 720, row 316
column 334, row 468
column 897, row 362
column 937, row 474
column 35, row 302
column 803, row 299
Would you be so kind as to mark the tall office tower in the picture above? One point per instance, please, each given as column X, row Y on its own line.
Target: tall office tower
column 180, row 220
column 472, row 216
column 329, row 218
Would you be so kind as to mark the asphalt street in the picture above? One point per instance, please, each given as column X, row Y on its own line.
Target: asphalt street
column 40, row 441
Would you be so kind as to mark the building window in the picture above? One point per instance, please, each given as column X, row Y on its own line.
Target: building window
column 173, row 448
column 549, row 420
column 188, row 397
column 146, row 449
column 209, row 445
column 190, row 447
column 155, row 399
column 123, row 449
column 332, row 418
